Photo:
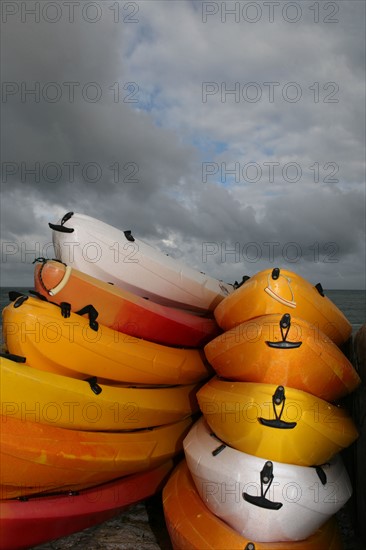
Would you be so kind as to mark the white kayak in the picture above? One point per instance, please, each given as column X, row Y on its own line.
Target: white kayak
column 117, row 257
column 262, row 500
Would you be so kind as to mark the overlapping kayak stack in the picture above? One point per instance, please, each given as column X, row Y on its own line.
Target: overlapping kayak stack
column 262, row 467
column 98, row 383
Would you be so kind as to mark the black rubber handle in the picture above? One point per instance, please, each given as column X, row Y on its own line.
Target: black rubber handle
column 262, row 502
column 14, row 295
column 277, row 423
column 319, row 288
column 218, row 450
column 129, row 235
column 92, row 313
column 61, row 228
column 283, row 345
column 285, row 324
column 19, row 301
column 13, row 357
column 237, row 285
column 321, row 474
column 94, row 385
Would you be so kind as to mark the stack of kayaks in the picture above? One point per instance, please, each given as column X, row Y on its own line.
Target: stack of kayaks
column 98, row 383
column 262, row 467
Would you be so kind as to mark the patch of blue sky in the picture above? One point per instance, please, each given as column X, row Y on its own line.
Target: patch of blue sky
column 209, row 147
column 151, row 101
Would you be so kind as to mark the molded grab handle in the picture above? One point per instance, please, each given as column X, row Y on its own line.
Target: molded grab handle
column 277, row 423
column 266, row 479
column 285, row 324
column 13, row 357
column 61, row 227
column 262, row 502
column 278, row 399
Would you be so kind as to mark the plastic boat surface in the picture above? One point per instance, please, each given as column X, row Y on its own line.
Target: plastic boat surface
column 283, row 350
column 263, row 500
column 87, row 405
column 121, row 310
column 192, row 526
column 275, row 422
column 38, row 458
column 78, row 347
column 118, row 257
column 28, row 522
column 281, row 291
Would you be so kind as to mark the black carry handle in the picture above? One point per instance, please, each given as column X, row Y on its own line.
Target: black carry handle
column 321, row 474
column 129, row 236
column 218, row 450
column 319, row 288
column 93, row 383
column 13, row 357
column 277, row 423
column 20, row 300
column 285, row 324
column 14, row 295
column 92, row 313
column 61, row 228
column 266, row 478
column 278, row 399
column 237, row 285
column 284, row 345
column 262, row 502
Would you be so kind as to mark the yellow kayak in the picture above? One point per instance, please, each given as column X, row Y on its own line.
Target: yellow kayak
column 31, row 394
column 78, row 347
column 274, row 422
column 281, row 291
column 286, row 350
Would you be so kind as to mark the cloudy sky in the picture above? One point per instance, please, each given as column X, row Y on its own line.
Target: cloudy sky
column 230, row 135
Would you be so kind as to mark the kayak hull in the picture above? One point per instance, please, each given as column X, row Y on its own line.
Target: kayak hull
column 27, row 523
column 36, row 330
column 299, row 429
column 230, row 483
column 301, row 357
column 121, row 310
column 282, row 291
column 117, row 257
column 192, row 526
column 48, row 398
column 38, row 458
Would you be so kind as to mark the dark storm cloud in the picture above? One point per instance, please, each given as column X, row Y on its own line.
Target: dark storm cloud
column 120, row 141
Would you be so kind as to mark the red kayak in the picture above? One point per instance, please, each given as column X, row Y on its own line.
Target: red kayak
column 27, row 523
column 121, row 310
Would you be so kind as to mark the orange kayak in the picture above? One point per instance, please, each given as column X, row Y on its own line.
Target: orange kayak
column 192, row 526
column 121, row 310
column 38, row 458
column 73, row 346
column 281, row 291
column 276, row 422
column 283, row 350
